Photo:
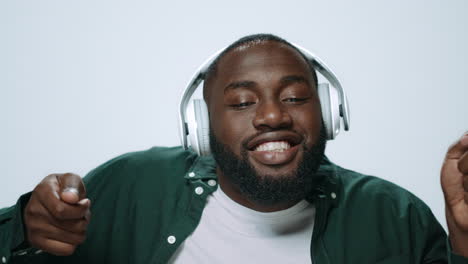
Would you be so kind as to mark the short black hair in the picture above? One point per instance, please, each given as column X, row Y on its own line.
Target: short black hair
column 251, row 39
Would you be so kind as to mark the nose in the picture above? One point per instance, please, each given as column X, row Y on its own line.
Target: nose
column 272, row 115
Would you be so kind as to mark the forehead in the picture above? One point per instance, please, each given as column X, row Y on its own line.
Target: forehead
column 260, row 56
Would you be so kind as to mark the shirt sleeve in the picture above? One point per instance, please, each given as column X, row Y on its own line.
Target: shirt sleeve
column 12, row 233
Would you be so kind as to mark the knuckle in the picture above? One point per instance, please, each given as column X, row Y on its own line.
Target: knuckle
column 27, row 214
column 32, row 209
column 38, row 189
column 48, row 178
column 59, row 210
column 69, row 174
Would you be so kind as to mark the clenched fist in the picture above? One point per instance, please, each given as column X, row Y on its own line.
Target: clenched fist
column 454, row 179
column 57, row 214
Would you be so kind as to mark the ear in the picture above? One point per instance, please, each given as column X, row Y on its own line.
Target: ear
column 329, row 102
column 202, row 137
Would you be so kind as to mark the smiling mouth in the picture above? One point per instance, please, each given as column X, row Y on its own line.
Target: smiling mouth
column 275, row 141
column 274, row 149
column 273, row 146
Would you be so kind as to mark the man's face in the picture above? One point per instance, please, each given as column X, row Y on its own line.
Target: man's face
column 265, row 112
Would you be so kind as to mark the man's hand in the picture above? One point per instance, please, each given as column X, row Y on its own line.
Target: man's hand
column 454, row 180
column 57, row 214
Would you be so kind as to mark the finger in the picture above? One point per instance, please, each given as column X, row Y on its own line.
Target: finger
column 55, row 247
column 465, row 183
column 47, row 197
column 72, row 189
column 46, row 230
column 463, row 163
column 64, row 211
column 457, row 149
column 58, row 234
column 61, row 210
column 73, row 226
column 36, row 214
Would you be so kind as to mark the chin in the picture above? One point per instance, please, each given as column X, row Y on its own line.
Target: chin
column 270, row 180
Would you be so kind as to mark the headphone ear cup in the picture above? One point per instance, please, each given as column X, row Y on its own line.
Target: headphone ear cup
column 329, row 103
column 202, row 126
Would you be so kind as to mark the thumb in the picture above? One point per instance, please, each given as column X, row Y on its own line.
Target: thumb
column 72, row 189
column 457, row 149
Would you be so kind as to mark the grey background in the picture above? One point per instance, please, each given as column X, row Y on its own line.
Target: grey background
column 84, row 81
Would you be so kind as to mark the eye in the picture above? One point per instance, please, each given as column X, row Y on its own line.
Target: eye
column 241, row 106
column 296, row 100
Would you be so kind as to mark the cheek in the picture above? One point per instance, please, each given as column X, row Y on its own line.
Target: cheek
column 231, row 128
column 309, row 122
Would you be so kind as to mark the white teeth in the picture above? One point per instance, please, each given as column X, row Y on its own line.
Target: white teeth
column 277, row 146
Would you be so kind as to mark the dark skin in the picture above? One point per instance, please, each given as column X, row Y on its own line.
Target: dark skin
column 271, row 90
column 265, row 90
column 454, row 180
column 57, row 214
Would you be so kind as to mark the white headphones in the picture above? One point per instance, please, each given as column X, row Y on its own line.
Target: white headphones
column 194, row 122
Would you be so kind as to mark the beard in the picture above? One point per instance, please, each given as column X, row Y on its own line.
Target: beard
column 266, row 189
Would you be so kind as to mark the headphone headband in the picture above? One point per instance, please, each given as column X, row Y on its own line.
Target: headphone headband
column 199, row 76
column 196, row 79
column 326, row 72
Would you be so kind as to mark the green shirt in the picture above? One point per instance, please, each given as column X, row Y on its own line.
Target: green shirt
column 145, row 204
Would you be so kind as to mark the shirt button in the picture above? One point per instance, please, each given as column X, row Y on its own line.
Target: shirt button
column 3, row 259
column 171, row 239
column 191, row 174
column 211, row 183
column 333, row 195
column 199, row 190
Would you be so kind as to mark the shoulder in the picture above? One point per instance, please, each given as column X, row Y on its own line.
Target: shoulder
column 157, row 164
column 374, row 192
column 382, row 213
column 382, row 219
column 154, row 155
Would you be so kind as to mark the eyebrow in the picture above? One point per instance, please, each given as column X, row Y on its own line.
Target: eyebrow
column 239, row 84
column 294, row 79
column 286, row 80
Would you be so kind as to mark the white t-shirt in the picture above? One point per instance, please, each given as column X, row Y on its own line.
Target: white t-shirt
column 231, row 233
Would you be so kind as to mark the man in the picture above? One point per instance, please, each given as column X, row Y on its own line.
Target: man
column 280, row 199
